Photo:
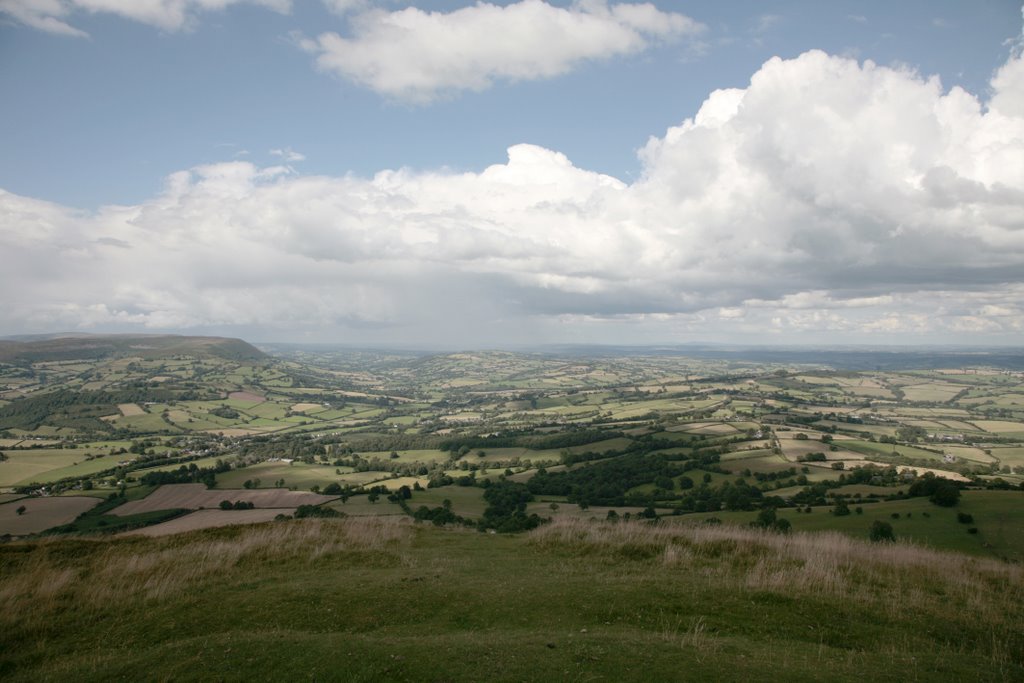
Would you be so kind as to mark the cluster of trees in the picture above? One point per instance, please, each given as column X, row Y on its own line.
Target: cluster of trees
column 227, row 412
column 607, row 482
column 506, row 508
column 940, row 491
column 817, row 493
column 186, row 474
column 440, row 515
column 768, row 519
column 603, row 483
column 463, row 445
column 763, row 477
column 737, row 495
column 237, row 505
column 316, row 511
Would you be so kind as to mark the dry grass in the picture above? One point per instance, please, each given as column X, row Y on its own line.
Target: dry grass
column 892, row 576
column 107, row 571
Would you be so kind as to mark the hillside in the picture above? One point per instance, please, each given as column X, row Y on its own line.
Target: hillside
column 379, row 599
column 95, row 347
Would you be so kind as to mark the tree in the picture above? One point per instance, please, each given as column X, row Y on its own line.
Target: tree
column 946, row 495
column 665, row 483
column 882, row 532
column 940, row 491
column 766, row 518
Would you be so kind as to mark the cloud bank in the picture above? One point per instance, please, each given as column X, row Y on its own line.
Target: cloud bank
column 417, row 56
column 829, row 199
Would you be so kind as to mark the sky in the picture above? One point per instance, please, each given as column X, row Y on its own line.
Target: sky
column 501, row 174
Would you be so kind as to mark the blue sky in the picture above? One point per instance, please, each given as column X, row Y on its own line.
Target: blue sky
column 339, row 170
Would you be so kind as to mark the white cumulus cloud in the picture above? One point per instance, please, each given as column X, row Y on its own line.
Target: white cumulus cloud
column 828, row 197
column 414, row 55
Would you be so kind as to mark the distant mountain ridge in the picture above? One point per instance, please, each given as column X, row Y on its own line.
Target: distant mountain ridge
column 93, row 346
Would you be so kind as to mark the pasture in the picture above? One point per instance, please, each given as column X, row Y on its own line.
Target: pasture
column 41, row 465
column 1002, row 427
column 467, row 501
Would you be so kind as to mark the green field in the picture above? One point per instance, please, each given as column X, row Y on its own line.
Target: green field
column 467, row 501
column 51, row 464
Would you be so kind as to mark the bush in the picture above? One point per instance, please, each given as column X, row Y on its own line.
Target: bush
column 316, row 511
column 946, row 494
column 964, row 518
column 841, row 509
column 881, row 532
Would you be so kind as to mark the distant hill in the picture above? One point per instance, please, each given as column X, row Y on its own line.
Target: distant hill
column 872, row 358
column 95, row 346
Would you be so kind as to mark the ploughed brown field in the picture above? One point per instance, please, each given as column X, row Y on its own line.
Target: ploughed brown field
column 207, row 519
column 246, row 396
column 42, row 513
column 196, row 496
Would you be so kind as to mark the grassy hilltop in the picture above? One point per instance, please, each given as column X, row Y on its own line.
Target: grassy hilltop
column 78, row 347
column 366, row 599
